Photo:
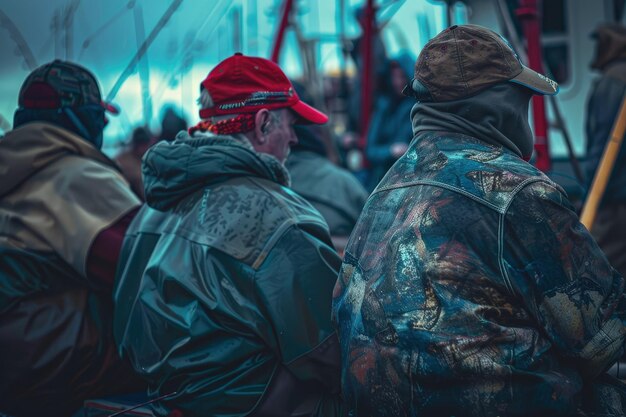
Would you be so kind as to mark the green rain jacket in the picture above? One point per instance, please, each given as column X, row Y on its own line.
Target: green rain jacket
column 223, row 294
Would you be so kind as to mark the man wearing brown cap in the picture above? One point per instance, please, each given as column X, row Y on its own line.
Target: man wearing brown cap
column 469, row 286
column 64, row 208
column 224, row 294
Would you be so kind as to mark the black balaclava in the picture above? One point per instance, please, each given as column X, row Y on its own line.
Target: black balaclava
column 497, row 116
column 86, row 121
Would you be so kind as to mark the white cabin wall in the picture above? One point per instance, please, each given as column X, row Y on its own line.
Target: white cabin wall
column 583, row 16
column 483, row 12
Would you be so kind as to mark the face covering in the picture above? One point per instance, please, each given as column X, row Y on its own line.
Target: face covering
column 497, row 116
column 86, row 121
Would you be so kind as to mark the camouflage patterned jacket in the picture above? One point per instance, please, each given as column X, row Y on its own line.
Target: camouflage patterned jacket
column 470, row 288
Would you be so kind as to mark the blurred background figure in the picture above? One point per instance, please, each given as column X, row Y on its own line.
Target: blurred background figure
column 334, row 191
column 603, row 105
column 129, row 160
column 390, row 130
column 379, row 82
column 172, row 122
column 380, row 69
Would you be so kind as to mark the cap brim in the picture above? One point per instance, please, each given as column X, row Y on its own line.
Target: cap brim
column 110, row 108
column 536, row 82
column 308, row 114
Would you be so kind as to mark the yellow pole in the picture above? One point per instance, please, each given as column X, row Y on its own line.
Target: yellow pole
column 604, row 170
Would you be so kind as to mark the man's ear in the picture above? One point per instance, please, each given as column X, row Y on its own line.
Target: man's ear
column 261, row 124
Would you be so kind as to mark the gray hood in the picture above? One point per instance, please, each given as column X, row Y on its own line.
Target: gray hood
column 173, row 170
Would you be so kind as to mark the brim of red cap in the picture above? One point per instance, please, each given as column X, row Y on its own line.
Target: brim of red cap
column 308, row 114
column 111, row 108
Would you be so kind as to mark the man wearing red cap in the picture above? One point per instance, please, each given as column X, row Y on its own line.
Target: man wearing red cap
column 64, row 208
column 224, row 291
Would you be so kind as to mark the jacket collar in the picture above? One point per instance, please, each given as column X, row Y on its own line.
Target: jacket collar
column 33, row 146
column 173, row 170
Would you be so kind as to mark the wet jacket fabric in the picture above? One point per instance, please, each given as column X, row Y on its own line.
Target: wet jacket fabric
column 333, row 191
column 224, row 292
column 470, row 288
column 57, row 194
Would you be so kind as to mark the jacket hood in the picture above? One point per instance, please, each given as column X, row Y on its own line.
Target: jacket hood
column 610, row 45
column 173, row 170
column 33, row 146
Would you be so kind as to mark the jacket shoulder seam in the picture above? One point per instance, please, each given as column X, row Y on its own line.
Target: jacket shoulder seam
column 290, row 216
column 271, row 242
column 441, row 185
column 290, row 219
column 519, row 188
column 503, row 271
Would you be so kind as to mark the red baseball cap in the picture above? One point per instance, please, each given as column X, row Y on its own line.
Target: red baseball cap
column 246, row 84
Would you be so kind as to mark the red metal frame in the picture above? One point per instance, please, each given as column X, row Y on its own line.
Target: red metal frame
column 528, row 14
column 280, row 35
column 366, row 81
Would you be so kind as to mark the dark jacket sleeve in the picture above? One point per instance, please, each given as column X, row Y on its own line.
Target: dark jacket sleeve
column 602, row 109
column 105, row 251
column 555, row 266
column 294, row 286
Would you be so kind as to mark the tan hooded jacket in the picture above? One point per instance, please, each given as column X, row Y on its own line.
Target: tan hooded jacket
column 57, row 192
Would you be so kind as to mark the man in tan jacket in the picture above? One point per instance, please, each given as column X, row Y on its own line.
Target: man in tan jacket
column 64, row 208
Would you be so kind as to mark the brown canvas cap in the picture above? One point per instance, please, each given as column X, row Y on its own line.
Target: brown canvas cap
column 463, row 60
